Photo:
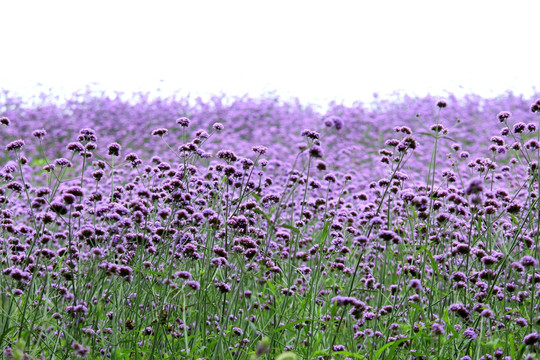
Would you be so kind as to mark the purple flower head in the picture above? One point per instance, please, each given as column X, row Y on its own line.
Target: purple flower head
column 487, row 314
column 4, row 121
column 182, row 275
column 519, row 128
column 415, row 284
column 80, row 350
column 259, row 149
column 460, row 310
column 346, row 300
column 63, row 163
column 15, row 145
column 223, row 287
column 40, row 133
column 335, row 121
column 475, row 186
column 531, row 339
column 489, row 260
column 183, row 122
column 75, row 147
column 522, row 322
column 528, row 261
column 114, row 149
column 227, row 155
column 535, row 108
column 387, row 235
column 193, row 284
column 75, row 191
column 313, row 135
column 437, row 329
column 532, row 144
column 503, row 116
column 328, row 122
column 316, row 152
column 470, row 333
column 160, row 132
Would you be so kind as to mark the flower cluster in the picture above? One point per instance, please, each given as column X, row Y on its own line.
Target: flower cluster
column 235, row 232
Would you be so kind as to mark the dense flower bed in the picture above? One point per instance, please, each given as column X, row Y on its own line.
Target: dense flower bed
column 255, row 228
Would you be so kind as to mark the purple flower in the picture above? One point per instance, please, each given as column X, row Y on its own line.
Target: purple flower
column 160, row 132
column 193, row 284
column 487, row 314
column 531, row 338
column 522, row 322
column 460, row 310
column 114, row 149
column 222, row 286
column 260, row 149
column 183, row 122
column 528, row 261
column 227, row 155
column 80, row 350
column 535, row 108
column 40, row 133
column 532, row 144
column 63, row 163
column 470, row 333
column 503, row 116
column 441, row 104
column 75, row 147
column 336, row 121
column 475, row 186
column 437, row 329
column 182, row 275
column 316, row 152
column 415, row 284
column 519, row 128
column 15, row 145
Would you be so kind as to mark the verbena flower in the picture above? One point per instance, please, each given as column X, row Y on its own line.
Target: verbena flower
column 15, row 145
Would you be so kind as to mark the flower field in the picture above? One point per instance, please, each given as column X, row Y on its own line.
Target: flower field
column 240, row 228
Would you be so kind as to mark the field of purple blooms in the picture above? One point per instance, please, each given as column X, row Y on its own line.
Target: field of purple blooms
column 241, row 228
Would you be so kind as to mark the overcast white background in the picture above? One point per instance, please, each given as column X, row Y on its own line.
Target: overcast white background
column 314, row 50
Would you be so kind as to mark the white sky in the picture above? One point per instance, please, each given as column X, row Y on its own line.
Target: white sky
column 315, row 50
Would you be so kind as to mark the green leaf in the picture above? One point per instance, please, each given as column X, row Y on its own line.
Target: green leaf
column 291, row 324
column 426, row 134
column 151, row 272
column 288, row 355
column 349, row 354
column 324, row 232
column 521, row 351
column 514, row 219
column 437, row 136
column 394, row 344
column 290, row 227
column 38, row 162
column 333, row 310
column 272, row 287
column 433, row 262
column 266, row 217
